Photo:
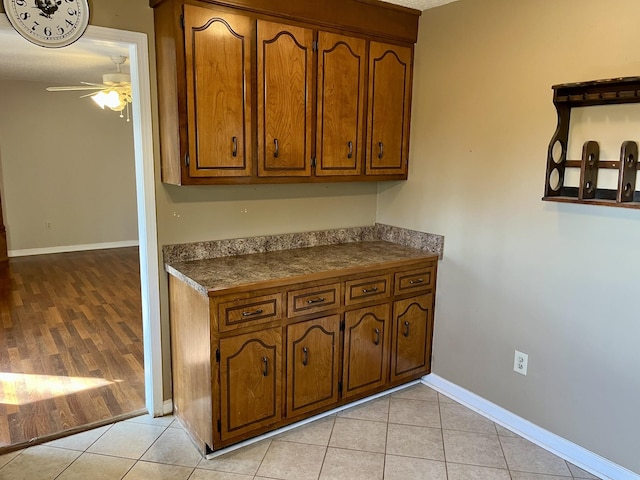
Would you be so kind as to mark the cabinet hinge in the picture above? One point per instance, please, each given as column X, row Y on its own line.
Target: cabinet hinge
column 314, row 46
column 342, row 326
column 218, row 355
column 187, row 160
column 182, row 22
column 340, row 387
column 219, row 426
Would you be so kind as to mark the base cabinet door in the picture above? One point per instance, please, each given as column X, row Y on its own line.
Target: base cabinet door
column 250, row 382
column 366, row 335
column 412, row 333
column 313, row 364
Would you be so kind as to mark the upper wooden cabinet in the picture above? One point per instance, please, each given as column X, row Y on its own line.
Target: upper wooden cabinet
column 285, row 70
column 218, row 72
column 342, row 67
column 390, row 78
column 284, row 92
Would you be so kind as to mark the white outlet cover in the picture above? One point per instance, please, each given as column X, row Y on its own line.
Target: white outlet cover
column 520, row 362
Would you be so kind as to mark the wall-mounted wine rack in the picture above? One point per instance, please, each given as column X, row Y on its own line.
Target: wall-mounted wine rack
column 584, row 94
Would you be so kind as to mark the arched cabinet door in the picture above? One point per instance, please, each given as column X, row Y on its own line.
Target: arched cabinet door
column 285, row 93
column 342, row 64
column 412, row 333
column 219, row 76
column 313, row 364
column 366, row 359
column 389, row 110
column 250, row 382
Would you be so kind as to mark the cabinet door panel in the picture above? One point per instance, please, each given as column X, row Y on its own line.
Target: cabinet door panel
column 366, row 349
column 412, row 333
column 312, row 364
column 341, row 87
column 250, row 378
column 285, row 85
column 389, row 112
column 218, row 61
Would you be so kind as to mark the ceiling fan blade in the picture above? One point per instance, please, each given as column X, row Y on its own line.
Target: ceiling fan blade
column 72, row 88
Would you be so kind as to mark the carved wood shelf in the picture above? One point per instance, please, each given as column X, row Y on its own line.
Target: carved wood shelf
column 566, row 96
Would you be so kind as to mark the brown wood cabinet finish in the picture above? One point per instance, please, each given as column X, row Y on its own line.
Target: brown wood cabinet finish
column 250, row 358
column 285, row 75
column 313, row 364
column 219, row 72
column 253, row 95
column 390, row 77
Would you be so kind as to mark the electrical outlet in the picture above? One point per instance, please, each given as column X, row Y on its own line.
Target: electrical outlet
column 520, row 362
column 48, row 225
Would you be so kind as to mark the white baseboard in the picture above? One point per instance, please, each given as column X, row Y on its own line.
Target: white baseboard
column 555, row 444
column 72, row 248
column 167, row 407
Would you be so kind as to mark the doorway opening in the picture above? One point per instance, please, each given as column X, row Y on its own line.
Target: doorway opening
column 137, row 46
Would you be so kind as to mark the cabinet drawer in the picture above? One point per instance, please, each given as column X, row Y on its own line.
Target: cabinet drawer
column 365, row 289
column 313, row 299
column 241, row 312
column 414, row 280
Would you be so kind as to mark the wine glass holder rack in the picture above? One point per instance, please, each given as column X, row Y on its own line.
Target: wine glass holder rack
column 584, row 94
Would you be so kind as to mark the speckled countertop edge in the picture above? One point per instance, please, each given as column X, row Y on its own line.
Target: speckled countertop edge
column 188, row 261
column 183, row 252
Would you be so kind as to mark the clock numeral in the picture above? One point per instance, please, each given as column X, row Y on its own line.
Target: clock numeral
column 25, row 15
column 35, row 25
column 60, row 30
column 70, row 1
column 68, row 22
column 72, row 11
column 47, row 31
column 21, row 3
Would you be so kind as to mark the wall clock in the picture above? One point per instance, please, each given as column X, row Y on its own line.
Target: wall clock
column 48, row 23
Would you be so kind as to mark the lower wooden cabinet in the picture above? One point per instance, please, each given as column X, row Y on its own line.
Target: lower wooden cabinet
column 313, row 364
column 253, row 359
column 366, row 359
column 250, row 381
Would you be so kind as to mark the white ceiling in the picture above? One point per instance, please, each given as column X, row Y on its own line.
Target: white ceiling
column 84, row 61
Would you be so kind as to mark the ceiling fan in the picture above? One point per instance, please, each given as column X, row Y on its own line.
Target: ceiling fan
column 114, row 92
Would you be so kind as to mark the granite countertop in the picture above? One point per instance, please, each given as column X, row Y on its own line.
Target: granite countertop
column 213, row 274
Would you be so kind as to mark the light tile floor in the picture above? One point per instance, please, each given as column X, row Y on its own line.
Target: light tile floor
column 415, row 433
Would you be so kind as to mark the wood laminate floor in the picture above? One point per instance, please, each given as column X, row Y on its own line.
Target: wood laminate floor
column 71, row 351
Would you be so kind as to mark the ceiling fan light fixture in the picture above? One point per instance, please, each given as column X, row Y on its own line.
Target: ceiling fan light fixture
column 105, row 98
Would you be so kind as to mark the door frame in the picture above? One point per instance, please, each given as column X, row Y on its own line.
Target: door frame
column 138, row 46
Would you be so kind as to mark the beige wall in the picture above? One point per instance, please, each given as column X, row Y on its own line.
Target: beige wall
column 556, row 281
column 65, row 162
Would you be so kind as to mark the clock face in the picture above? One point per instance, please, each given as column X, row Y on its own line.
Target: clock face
column 48, row 23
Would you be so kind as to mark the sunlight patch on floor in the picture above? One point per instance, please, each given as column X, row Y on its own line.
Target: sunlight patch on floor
column 23, row 388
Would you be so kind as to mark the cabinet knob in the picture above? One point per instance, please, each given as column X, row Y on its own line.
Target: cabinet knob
column 305, row 356
column 406, row 329
column 376, row 341
column 265, row 370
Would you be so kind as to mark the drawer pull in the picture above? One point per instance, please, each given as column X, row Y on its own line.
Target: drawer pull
column 315, row 300
column 277, row 148
column 265, row 371
column 376, row 341
column 381, row 149
column 350, row 145
column 305, row 357
column 416, row 281
column 250, row 314
column 406, row 329
column 234, row 140
column 370, row 290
